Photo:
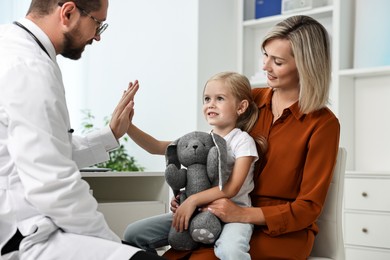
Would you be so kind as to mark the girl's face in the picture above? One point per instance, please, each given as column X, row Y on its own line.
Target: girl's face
column 279, row 64
column 220, row 108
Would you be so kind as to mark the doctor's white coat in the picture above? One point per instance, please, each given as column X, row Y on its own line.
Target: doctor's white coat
column 41, row 190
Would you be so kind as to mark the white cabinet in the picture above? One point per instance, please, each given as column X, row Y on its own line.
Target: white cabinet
column 360, row 93
column 367, row 215
column 363, row 89
column 125, row 197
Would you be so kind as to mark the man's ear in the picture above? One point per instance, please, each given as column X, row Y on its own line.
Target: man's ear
column 242, row 107
column 68, row 12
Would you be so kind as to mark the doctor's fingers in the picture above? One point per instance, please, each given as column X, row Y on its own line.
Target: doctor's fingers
column 120, row 120
column 127, row 96
column 124, row 105
column 131, row 91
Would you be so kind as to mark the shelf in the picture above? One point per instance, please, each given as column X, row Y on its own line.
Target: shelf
column 130, row 187
column 367, row 174
column 365, row 72
column 317, row 13
column 121, row 174
column 127, row 201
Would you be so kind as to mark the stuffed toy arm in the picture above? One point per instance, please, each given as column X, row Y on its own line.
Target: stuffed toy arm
column 176, row 178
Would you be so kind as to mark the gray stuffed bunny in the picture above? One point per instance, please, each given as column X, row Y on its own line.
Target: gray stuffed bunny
column 204, row 160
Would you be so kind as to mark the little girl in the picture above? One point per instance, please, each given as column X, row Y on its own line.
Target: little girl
column 228, row 107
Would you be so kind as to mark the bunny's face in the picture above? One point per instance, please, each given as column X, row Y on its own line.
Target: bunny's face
column 194, row 148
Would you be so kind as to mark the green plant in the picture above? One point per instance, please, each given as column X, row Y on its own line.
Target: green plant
column 119, row 160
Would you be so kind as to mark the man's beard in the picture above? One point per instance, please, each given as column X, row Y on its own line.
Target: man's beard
column 70, row 51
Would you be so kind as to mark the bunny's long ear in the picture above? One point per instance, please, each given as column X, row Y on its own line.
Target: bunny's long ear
column 223, row 172
column 171, row 154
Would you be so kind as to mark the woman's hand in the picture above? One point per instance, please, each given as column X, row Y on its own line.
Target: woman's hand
column 182, row 216
column 229, row 211
column 124, row 112
column 226, row 210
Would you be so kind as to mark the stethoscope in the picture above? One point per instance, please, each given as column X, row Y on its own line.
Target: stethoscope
column 70, row 131
column 33, row 36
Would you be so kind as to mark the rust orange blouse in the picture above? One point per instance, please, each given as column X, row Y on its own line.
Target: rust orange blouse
column 292, row 181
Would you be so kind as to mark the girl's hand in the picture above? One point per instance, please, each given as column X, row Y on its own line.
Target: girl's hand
column 182, row 216
column 175, row 203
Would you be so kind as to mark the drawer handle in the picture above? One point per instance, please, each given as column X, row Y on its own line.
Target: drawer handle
column 365, row 230
column 364, row 194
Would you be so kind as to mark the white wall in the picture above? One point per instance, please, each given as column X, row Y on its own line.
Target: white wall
column 13, row 9
column 217, row 44
column 154, row 42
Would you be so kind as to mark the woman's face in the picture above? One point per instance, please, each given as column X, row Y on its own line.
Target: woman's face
column 279, row 64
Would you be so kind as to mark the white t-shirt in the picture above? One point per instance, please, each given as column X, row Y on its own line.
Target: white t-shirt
column 239, row 144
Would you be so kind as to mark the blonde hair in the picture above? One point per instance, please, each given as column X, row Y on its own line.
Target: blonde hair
column 240, row 87
column 310, row 47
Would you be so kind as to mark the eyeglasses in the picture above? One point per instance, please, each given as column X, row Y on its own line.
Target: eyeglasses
column 102, row 26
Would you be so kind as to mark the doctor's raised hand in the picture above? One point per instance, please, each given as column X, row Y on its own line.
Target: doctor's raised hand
column 121, row 117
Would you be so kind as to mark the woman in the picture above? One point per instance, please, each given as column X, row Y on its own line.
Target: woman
column 292, row 181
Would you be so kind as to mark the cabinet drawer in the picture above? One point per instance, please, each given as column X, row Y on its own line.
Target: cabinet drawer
column 367, row 229
column 120, row 214
column 367, row 194
column 355, row 253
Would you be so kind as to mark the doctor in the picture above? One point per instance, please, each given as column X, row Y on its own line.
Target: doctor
column 46, row 211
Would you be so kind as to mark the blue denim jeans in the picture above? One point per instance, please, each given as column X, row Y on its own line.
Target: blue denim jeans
column 149, row 233
column 152, row 233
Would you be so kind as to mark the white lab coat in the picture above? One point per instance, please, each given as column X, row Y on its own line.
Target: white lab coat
column 41, row 190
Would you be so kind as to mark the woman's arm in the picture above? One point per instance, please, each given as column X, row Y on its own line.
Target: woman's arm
column 230, row 189
column 146, row 141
